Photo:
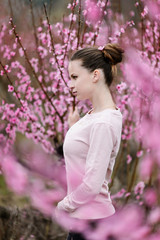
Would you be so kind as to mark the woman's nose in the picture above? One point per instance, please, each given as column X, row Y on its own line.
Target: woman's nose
column 70, row 85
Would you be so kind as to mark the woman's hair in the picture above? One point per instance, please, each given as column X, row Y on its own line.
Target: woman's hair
column 106, row 59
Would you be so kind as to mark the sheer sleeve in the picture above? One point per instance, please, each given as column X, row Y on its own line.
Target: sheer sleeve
column 97, row 161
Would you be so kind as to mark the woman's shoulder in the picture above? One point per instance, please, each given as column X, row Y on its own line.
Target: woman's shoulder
column 108, row 116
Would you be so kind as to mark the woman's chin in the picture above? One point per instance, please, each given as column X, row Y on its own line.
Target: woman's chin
column 80, row 98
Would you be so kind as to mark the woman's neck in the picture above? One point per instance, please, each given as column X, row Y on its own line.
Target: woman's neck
column 102, row 99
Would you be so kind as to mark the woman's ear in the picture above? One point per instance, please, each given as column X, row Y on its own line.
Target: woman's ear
column 96, row 75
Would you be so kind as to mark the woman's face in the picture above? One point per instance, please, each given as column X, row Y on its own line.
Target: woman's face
column 81, row 83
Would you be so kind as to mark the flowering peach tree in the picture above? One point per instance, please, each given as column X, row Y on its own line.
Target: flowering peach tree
column 34, row 109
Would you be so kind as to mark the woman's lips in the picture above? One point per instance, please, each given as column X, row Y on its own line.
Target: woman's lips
column 75, row 93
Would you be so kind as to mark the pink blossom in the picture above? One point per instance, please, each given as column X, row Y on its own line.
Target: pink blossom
column 138, row 189
column 139, row 72
column 122, row 30
column 1, row 72
column 129, row 158
column 123, row 136
column 154, row 9
column 45, row 23
column 140, row 153
column 154, row 216
column 21, row 52
column 72, row 17
column 150, row 197
column 14, row 45
column 10, row 88
column 94, row 13
column 137, row 4
column 42, row 51
column 127, row 194
column 119, row 194
column 15, row 64
column 15, row 174
column 44, row 199
column 121, row 87
column 115, row 227
column 145, row 12
column 132, row 13
column 141, row 233
column 12, row 53
column 69, row 5
column 39, row 29
column 6, row 67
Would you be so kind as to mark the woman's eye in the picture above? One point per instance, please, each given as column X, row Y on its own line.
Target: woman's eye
column 74, row 77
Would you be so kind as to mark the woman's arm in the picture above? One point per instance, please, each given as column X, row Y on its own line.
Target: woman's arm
column 98, row 157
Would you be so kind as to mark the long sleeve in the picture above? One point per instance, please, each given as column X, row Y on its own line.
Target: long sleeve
column 101, row 143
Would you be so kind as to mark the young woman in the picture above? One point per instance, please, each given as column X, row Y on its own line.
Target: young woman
column 92, row 142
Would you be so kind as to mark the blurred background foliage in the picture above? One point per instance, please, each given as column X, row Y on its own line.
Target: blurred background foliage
column 19, row 10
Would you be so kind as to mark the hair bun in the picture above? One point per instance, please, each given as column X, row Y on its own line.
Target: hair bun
column 113, row 53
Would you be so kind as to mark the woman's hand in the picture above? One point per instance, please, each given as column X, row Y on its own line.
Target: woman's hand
column 73, row 116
